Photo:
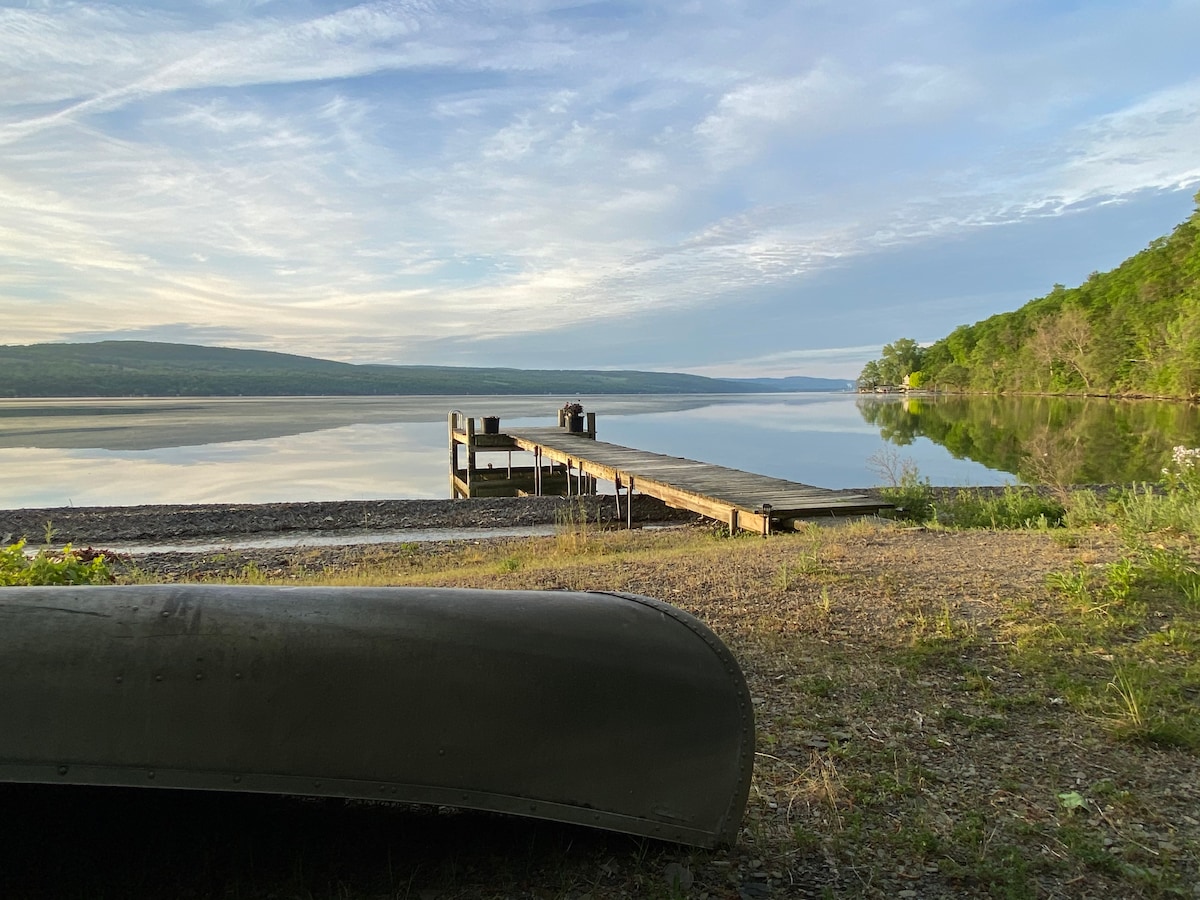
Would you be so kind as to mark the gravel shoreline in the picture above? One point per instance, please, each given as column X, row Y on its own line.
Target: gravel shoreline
column 96, row 525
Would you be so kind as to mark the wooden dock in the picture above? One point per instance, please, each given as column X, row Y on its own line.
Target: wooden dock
column 569, row 462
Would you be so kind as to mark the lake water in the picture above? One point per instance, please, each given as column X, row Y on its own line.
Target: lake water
column 259, row 450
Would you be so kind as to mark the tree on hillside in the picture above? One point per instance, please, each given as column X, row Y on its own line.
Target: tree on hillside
column 1134, row 330
column 869, row 378
column 900, row 359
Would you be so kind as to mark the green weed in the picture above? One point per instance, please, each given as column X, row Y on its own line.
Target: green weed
column 1072, row 585
column 64, row 567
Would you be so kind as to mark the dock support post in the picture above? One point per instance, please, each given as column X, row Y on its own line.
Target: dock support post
column 629, row 504
column 452, row 422
column 453, row 456
column 733, row 522
column 766, row 514
column 470, row 454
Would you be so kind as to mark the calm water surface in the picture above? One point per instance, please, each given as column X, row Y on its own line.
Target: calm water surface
column 259, row 450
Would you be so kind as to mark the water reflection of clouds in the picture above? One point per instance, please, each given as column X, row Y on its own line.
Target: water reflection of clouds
column 815, row 439
column 832, row 415
column 359, row 462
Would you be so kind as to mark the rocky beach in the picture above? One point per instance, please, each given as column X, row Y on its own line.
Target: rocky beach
column 98, row 525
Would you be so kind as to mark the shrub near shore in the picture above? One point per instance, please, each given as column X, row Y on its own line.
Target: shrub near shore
column 44, row 567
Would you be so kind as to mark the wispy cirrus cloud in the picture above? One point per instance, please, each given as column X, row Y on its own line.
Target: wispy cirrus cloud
column 310, row 174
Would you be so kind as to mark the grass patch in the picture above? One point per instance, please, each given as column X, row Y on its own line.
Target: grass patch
column 1014, row 507
column 924, row 698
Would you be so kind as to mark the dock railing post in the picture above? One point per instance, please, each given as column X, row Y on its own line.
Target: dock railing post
column 470, row 453
column 452, row 425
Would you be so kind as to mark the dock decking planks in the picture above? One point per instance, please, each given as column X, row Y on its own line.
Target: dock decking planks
column 729, row 495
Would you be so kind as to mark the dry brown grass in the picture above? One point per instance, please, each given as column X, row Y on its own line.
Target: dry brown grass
column 922, row 698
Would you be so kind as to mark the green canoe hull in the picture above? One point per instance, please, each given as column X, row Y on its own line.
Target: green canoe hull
column 609, row 710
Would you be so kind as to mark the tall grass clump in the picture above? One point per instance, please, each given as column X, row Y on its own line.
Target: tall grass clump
column 911, row 495
column 1014, row 507
column 574, row 527
column 1173, row 508
column 64, row 567
column 1085, row 509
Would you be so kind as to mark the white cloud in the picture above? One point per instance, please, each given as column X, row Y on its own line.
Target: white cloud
column 825, row 362
column 1150, row 144
column 419, row 171
column 817, row 102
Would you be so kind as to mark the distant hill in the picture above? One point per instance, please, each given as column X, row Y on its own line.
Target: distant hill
column 1134, row 331
column 799, row 383
column 151, row 369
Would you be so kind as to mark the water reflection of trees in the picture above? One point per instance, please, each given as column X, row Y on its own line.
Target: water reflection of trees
column 1053, row 440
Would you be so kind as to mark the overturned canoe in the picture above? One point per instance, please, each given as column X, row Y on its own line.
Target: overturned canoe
column 610, row 710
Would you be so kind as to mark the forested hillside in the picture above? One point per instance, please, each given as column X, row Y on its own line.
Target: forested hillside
column 150, row 369
column 1134, row 331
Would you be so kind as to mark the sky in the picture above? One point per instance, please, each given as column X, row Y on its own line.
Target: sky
column 726, row 187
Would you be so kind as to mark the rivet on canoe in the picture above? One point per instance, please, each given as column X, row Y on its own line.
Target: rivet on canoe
column 150, row 774
column 62, row 770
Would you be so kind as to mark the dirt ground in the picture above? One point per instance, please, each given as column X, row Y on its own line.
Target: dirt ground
column 905, row 748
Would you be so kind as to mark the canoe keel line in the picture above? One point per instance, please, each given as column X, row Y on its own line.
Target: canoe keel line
column 609, row 710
